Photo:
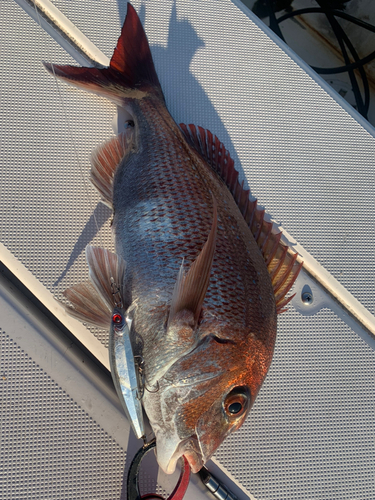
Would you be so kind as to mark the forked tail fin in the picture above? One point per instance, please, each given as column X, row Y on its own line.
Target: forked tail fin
column 131, row 73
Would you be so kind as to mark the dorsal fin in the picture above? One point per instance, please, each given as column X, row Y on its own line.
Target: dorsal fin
column 104, row 162
column 190, row 289
column 131, row 73
column 281, row 262
column 94, row 301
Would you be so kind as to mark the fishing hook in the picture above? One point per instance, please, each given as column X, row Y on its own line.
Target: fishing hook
column 156, row 390
column 141, row 373
column 133, row 478
column 143, row 378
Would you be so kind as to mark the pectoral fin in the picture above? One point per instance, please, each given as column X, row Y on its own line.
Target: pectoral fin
column 190, row 289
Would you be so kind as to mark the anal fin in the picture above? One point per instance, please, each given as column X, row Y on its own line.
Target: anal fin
column 105, row 160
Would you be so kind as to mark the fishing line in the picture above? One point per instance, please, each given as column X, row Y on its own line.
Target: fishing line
column 75, row 149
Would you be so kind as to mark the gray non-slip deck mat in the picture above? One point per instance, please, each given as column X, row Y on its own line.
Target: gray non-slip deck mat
column 304, row 156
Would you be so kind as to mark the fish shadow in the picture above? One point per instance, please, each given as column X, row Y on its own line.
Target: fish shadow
column 185, row 96
column 98, row 218
column 180, row 86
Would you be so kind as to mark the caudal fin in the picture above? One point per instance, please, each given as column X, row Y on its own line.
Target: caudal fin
column 131, row 72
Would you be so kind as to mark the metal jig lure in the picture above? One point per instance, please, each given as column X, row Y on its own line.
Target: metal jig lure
column 125, row 371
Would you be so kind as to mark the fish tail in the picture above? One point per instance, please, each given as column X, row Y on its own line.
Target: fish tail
column 131, row 73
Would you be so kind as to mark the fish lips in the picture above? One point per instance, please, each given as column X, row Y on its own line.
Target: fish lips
column 196, row 379
column 170, row 447
column 169, row 452
column 210, row 431
column 196, row 451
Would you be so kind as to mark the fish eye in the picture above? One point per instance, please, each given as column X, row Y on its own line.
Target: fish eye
column 237, row 402
column 235, row 408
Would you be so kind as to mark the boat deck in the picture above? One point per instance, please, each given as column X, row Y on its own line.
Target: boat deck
column 304, row 153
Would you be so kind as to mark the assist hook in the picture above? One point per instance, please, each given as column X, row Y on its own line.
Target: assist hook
column 133, row 478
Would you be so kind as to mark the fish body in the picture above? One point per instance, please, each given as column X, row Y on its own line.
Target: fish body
column 163, row 212
column 202, row 272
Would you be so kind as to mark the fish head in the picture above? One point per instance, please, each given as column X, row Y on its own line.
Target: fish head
column 204, row 396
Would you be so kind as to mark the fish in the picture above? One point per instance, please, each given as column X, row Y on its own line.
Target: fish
column 202, row 271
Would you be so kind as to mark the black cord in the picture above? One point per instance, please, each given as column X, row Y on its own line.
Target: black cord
column 335, row 12
column 343, row 41
column 343, row 15
column 274, row 23
column 347, row 67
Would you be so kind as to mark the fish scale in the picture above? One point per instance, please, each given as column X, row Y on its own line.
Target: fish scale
column 156, row 186
column 198, row 273
column 234, row 295
column 166, row 183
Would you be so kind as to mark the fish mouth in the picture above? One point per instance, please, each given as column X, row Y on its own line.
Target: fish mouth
column 189, row 448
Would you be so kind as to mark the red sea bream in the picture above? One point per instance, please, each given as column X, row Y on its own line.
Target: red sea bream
column 203, row 273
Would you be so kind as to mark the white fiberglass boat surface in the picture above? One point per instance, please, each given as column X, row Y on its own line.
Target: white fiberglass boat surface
column 304, row 153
